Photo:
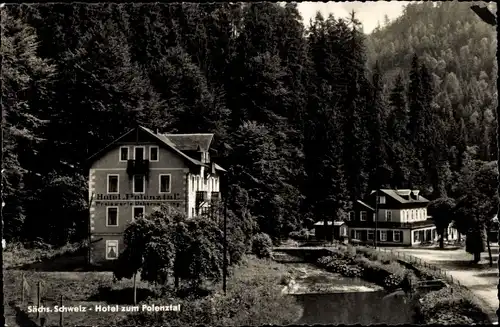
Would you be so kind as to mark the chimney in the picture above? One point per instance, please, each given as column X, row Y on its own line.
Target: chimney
column 415, row 194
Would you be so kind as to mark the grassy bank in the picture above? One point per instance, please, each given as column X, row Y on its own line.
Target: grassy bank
column 450, row 305
column 253, row 297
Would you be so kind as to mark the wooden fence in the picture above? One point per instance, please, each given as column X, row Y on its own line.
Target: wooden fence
column 440, row 273
column 34, row 292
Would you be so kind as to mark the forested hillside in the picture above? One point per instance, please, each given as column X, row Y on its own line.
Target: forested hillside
column 459, row 50
column 301, row 123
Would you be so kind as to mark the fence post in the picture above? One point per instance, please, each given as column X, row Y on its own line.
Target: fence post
column 22, row 289
column 38, row 300
column 61, row 312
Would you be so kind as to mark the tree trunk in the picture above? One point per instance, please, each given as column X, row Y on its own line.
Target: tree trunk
column 441, row 242
column 135, row 289
column 477, row 257
column 489, row 248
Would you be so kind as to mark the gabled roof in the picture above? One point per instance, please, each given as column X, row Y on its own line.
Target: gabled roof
column 366, row 205
column 186, row 141
column 190, row 142
column 393, row 194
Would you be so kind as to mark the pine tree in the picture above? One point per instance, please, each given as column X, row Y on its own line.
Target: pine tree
column 377, row 107
column 26, row 81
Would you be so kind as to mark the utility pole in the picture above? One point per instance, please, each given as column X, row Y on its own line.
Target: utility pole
column 376, row 218
column 224, row 264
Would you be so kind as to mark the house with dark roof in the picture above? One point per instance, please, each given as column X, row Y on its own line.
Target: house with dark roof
column 140, row 171
column 399, row 218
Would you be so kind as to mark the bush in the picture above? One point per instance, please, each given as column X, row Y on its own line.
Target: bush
column 302, row 235
column 248, row 303
column 450, row 305
column 262, row 245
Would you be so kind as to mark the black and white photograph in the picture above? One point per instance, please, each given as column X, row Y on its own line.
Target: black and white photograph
column 249, row 163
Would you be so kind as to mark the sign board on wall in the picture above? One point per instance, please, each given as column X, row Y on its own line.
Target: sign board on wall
column 137, row 199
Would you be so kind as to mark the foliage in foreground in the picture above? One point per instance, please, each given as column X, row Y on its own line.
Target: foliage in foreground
column 450, row 305
column 165, row 243
column 262, row 245
column 254, row 298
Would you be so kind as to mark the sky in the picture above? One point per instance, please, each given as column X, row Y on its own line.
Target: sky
column 368, row 13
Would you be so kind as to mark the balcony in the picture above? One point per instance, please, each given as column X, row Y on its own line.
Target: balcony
column 138, row 167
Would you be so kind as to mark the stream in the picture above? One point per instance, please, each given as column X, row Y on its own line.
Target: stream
column 329, row 298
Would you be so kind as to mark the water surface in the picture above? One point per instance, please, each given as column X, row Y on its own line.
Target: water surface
column 329, row 298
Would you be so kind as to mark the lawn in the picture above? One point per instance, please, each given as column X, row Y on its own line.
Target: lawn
column 90, row 288
column 77, row 288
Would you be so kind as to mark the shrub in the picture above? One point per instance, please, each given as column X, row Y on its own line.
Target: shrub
column 257, row 302
column 302, row 235
column 450, row 305
column 262, row 245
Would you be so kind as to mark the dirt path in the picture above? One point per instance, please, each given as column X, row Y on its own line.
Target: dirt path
column 480, row 278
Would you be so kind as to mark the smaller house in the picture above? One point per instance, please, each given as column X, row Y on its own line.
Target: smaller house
column 392, row 217
column 333, row 230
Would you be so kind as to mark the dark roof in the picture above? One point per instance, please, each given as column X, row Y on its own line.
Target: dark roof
column 190, row 142
column 175, row 142
column 393, row 194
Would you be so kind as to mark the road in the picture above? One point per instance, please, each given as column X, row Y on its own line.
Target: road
column 479, row 278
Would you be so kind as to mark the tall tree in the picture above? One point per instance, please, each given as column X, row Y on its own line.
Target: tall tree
column 26, row 88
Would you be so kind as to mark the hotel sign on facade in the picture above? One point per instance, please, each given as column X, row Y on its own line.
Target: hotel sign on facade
column 130, row 199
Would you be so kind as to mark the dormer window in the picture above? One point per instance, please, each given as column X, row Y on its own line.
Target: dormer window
column 381, row 199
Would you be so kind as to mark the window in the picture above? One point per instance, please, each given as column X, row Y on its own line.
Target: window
column 111, row 249
column 388, row 215
column 138, row 211
column 362, row 216
column 139, row 153
column 164, row 183
column 358, row 235
column 381, row 199
column 416, row 236
column 112, row 216
column 139, row 184
column 113, row 184
column 403, row 214
column 396, row 236
column 124, row 153
column 351, row 215
column 383, row 235
column 370, row 235
column 414, row 214
column 373, row 216
column 153, row 153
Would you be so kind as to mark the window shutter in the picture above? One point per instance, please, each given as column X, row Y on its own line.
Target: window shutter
column 378, row 235
column 400, row 236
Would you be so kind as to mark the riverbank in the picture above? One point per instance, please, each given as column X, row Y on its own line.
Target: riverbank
column 255, row 285
column 480, row 278
column 452, row 304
